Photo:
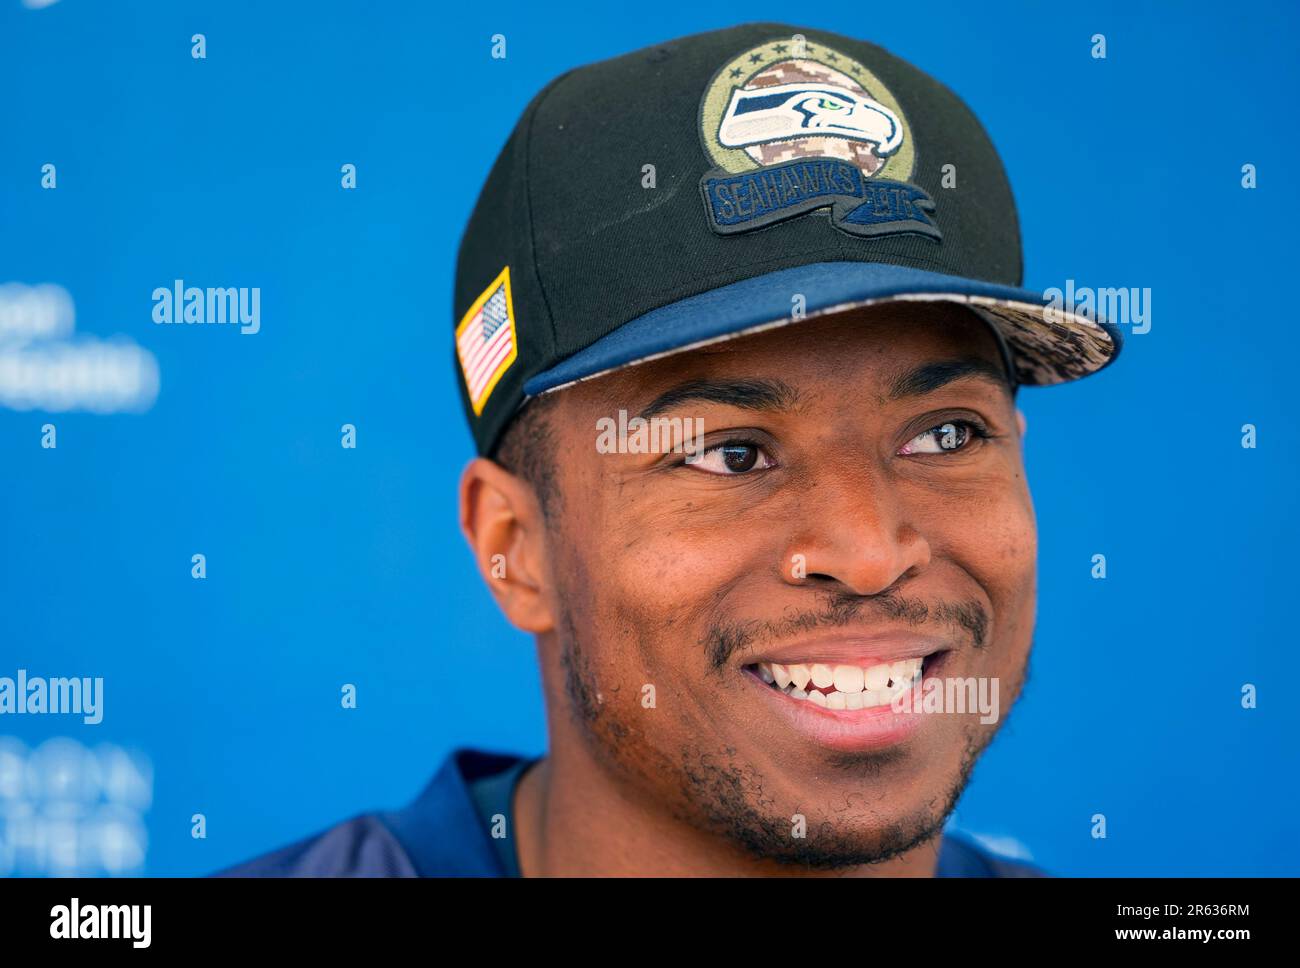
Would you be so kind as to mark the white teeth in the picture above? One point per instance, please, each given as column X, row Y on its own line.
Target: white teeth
column 848, row 678
column 877, row 677
column 903, row 672
column 847, row 686
column 800, row 676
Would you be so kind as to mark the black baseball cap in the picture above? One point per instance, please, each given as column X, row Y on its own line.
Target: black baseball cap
column 730, row 181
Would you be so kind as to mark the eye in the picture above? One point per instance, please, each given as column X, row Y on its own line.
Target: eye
column 952, row 435
column 828, row 105
column 732, row 458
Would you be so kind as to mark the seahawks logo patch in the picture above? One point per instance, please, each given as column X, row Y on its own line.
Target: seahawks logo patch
column 792, row 126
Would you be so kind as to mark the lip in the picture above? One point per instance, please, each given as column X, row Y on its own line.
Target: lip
column 858, row 648
column 851, row 730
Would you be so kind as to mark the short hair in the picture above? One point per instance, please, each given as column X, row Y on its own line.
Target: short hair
column 526, row 448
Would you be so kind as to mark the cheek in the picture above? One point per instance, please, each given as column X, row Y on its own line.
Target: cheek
column 1008, row 542
column 1004, row 561
column 1000, row 521
column 668, row 576
column 661, row 552
column 994, row 539
column 642, row 576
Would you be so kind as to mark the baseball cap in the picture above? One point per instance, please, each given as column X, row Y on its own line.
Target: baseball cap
column 727, row 182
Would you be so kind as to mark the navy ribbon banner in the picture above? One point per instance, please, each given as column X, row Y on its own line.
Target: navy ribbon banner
column 859, row 205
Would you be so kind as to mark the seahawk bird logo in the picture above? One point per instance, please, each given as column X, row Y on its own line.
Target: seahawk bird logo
column 786, row 111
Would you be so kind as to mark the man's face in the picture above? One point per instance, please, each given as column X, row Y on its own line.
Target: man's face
column 861, row 502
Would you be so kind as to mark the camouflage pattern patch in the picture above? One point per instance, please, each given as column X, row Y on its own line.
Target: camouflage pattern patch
column 861, row 153
column 1045, row 351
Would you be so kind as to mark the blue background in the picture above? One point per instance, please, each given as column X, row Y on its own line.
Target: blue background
column 328, row 566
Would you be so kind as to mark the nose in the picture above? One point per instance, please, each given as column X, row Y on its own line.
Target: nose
column 856, row 535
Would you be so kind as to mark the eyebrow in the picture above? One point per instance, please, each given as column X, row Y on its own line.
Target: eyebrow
column 770, row 394
column 929, row 377
column 759, row 395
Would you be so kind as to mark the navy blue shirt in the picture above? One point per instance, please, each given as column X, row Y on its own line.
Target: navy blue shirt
column 446, row 832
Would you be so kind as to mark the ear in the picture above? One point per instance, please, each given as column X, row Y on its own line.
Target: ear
column 503, row 523
column 1020, row 421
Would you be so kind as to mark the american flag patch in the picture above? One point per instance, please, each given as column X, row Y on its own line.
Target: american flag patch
column 485, row 340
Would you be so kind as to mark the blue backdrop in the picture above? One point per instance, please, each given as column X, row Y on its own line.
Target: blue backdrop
column 328, row 566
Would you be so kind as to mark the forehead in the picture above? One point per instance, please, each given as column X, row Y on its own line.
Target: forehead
column 863, row 350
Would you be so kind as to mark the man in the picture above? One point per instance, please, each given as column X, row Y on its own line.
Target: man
column 739, row 339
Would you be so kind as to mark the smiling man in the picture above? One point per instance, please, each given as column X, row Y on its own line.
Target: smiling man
column 722, row 640
column 780, row 644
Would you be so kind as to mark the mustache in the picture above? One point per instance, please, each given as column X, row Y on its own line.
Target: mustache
column 969, row 618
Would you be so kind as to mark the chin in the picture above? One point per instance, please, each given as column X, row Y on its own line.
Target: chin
column 836, row 842
column 815, row 824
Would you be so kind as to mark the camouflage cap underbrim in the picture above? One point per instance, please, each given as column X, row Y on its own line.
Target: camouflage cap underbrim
column 1049, row 350
column 1047, row 347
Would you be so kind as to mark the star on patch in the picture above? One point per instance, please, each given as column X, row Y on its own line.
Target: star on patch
column 755, row 58
column 736, row 72
column 780, row 48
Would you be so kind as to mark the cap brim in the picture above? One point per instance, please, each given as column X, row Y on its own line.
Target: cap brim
column 1046, row 347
